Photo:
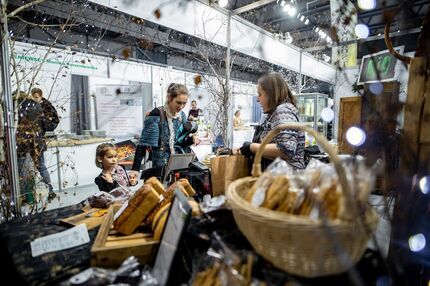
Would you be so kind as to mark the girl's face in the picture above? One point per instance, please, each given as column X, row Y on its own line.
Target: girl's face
column 193, row 105
column 263, row 99
column 110, row 159
column 177, row 103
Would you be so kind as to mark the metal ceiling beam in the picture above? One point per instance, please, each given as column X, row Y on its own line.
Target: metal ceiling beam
column 373, row 38
column 251, row 6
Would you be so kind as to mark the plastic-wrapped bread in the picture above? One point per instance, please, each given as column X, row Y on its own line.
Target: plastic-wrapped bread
column 156, row 184
column 136, row 209
column 276, row 193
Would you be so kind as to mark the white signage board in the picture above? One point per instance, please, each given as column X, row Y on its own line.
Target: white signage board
column 119, row 110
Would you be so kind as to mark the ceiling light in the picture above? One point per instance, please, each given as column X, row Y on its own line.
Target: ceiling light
column 307, row 21
column 292, row 11
column 222, row 3
column 283, row 3
column 317, row 29
column 302, row 18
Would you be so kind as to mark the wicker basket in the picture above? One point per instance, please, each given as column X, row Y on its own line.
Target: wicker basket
column 297, row 244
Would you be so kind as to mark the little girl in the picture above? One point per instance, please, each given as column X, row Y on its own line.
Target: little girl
column 112, row 175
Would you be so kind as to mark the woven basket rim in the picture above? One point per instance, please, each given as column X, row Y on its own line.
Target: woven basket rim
column 273, row 215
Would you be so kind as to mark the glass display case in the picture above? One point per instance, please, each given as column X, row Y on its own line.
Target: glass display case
column 310, row 106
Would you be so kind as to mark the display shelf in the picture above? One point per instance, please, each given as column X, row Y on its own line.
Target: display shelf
column 310, row 106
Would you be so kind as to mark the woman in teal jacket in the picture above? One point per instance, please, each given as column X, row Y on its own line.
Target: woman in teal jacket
column 161, row 129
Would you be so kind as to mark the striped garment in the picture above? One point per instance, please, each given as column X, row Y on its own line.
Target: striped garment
column 290, row 142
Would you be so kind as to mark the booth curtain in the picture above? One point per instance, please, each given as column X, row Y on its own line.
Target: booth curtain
column 79, row 105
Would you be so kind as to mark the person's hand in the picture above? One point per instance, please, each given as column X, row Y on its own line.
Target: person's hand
column 196, row 140
column 246, row 149
column 107, row 177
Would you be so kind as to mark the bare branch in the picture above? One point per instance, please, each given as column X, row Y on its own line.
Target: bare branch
column 23, row 7
column 44, row 25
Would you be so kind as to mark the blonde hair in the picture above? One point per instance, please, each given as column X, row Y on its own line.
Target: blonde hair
column 101, row 151
column 176, row 89
column 276, row 89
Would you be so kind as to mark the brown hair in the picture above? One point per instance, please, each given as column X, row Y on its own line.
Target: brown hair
column 176, row 89
column 276, row 89
column 101, row 151
column 37, row 90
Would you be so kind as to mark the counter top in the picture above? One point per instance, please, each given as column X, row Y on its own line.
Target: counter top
column 74, row 142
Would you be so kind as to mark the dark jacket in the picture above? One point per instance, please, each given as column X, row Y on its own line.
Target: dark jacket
column 50, row 116
column 30, row 131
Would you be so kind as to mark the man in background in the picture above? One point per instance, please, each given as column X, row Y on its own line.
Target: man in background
column 193, row 114
column 49, row 121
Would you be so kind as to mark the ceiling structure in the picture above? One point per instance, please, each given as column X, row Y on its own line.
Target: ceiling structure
column 317, row 13
column 97, row 29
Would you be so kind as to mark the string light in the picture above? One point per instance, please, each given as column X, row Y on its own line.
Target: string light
column 361, row 31
column 424, row 184
column 366, row 4
column 327, row 114
column 355, row 136
column 417, row 242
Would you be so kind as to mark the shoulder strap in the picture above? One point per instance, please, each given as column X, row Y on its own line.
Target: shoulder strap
column 160, row 126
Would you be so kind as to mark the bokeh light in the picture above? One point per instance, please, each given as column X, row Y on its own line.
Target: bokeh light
column 327, row 114
column 376, row 88
column 361, row 31
column 366, row 4
column 355, row 136
column 424, row 184
column 417, row 242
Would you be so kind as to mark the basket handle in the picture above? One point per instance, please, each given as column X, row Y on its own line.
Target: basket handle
column 256, row 167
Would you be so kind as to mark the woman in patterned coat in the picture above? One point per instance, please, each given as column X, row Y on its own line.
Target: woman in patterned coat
column 279, row 107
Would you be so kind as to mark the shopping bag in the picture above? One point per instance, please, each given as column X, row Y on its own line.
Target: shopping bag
column 225, row 169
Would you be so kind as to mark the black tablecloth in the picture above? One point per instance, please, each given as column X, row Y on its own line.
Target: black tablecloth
column 46, row 269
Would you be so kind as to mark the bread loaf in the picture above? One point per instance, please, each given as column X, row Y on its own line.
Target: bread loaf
column 276, row 193
column 156, row 184
column 138, row 207
column 159, row 221
column 148, row 220
column 187, row 186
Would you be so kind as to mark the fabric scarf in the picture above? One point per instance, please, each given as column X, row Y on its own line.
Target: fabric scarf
column 170, row 118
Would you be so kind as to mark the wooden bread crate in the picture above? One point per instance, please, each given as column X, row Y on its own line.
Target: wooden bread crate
column 111, row 248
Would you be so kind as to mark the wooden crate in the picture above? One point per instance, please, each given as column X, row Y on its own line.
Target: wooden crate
column 110, row 248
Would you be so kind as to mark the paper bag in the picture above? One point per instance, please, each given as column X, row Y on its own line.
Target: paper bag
column 225, row 169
